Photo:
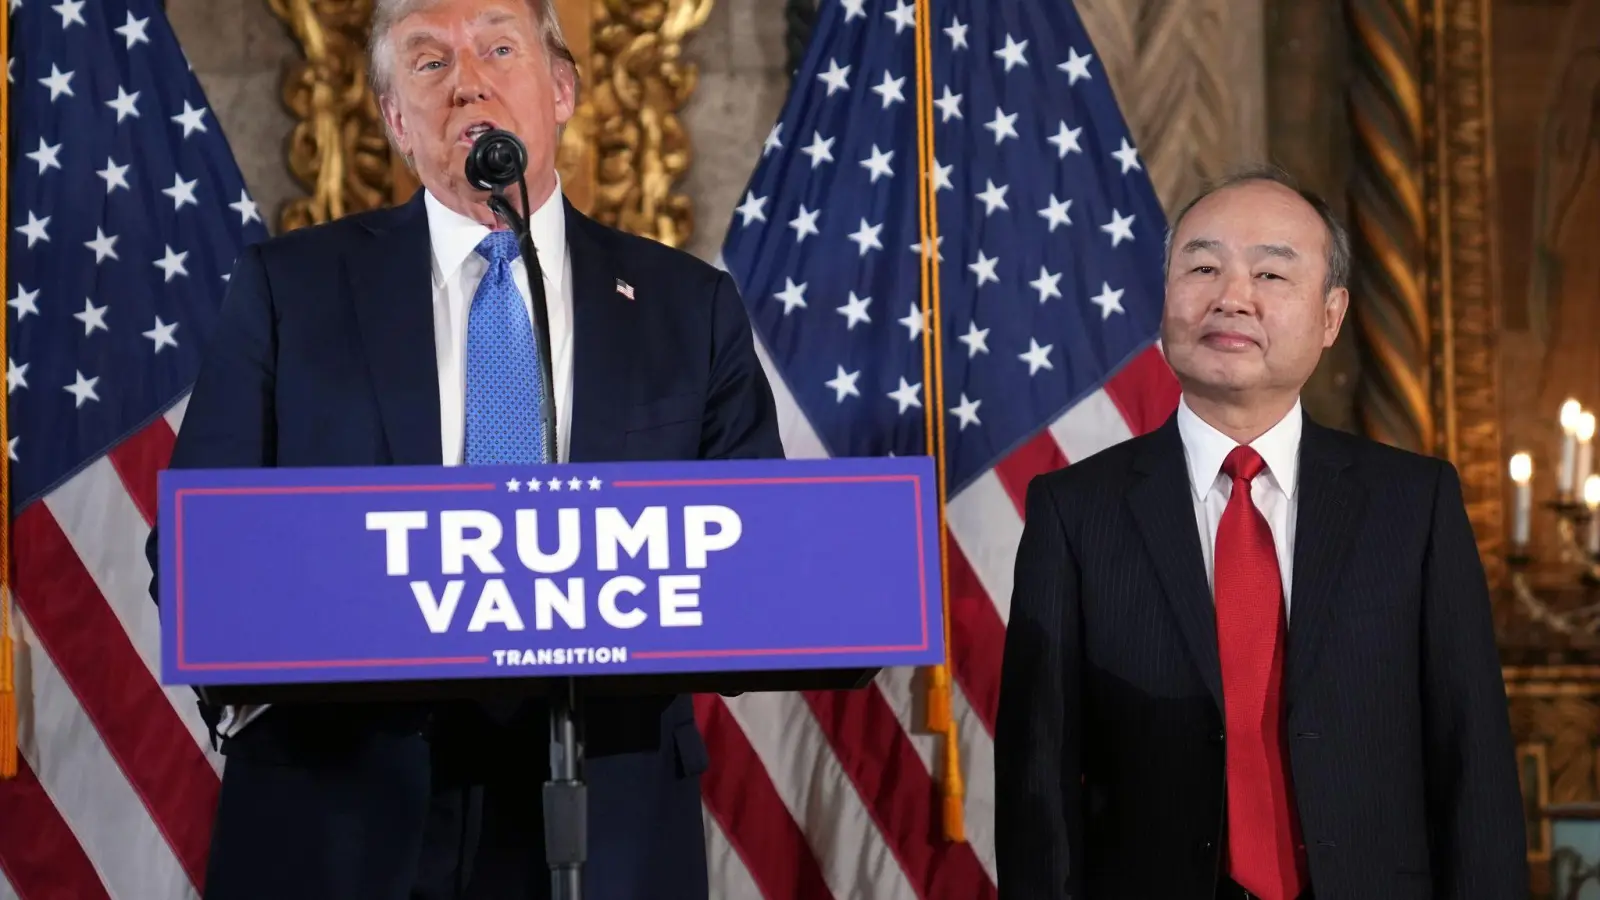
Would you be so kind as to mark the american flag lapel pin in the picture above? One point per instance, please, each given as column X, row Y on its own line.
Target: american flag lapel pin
column 625, row 289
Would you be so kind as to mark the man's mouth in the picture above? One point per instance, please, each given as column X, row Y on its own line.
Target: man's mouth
column 472, row 132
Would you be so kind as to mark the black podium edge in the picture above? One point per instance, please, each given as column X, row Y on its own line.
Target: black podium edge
column 726, row 683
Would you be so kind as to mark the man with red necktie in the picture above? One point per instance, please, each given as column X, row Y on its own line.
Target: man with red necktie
column 1249, row 656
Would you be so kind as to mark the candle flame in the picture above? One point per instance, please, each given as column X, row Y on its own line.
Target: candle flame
column 1570, row 412
column 1591, row 491
column 1585, row 429
column 1521, row 468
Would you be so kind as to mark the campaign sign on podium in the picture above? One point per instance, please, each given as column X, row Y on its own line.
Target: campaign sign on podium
column 318, row 576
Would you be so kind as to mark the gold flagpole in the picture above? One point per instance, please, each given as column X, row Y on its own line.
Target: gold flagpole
column 939, row 718
column 8, row 655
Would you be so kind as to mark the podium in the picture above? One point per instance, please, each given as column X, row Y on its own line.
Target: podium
column 564, row 582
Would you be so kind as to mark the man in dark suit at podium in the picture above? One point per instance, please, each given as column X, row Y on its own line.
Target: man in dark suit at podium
column 404, row 336
column 1250, row 656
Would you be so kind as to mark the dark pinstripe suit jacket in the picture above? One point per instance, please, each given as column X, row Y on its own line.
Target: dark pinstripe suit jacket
column 1109, row 760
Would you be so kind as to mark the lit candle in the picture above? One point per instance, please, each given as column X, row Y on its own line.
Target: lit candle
column 1567, row 477
column 1585, row 435
column 1522, row 509
column 1591, row 499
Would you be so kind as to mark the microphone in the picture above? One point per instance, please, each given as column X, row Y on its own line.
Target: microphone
column 496, row 160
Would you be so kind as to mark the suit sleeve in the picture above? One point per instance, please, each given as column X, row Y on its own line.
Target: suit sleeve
column 741, row 421
column 1038, row 786
column 229, row 421
column 1478, row 845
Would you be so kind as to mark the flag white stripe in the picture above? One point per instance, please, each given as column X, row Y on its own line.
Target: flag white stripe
column 851, row 852
column 728, row 875
column 174, row 416
column 1091, row 425
column 87, row 787
column 897, row 685
column 900, row 687
column 108, row 534
column 985, row 524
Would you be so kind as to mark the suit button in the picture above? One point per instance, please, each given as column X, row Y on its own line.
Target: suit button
column 1219, row 736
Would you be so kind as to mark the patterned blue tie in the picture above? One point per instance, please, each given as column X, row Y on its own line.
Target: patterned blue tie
column 505, row 381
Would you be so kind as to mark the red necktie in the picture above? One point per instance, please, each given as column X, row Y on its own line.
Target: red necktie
column 1264, row 854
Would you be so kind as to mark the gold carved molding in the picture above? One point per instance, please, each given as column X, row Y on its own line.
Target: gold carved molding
column 1463, row 268
column 1422, row 206
column 621, row 157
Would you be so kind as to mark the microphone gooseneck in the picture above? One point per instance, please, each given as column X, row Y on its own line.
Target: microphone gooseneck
column 496, row 161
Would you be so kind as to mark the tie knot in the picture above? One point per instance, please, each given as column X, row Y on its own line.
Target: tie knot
column 1243, row 462
column 498, row 246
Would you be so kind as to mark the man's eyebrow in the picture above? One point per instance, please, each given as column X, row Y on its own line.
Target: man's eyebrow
column 419, row 38
column 487, row 18
column 1199, row 244
column 1281, row 251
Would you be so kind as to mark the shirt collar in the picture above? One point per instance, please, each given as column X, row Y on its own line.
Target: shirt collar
column 1205, row 448
column 455, row 237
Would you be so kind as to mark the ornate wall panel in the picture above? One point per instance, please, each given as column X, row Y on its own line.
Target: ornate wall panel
column 1190, row 79
column 620, row 158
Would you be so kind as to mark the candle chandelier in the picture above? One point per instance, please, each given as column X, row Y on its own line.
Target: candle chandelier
column 1576, row 509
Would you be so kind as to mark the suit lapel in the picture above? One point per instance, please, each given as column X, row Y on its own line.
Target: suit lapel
column 1330, row 507
column 391, row 282
column 1162, row 506
column 604, row 341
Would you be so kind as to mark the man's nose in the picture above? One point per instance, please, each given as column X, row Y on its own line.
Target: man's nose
column 1234, row 297
column 471, row 86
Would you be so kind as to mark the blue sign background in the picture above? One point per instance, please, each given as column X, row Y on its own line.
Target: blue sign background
column 272, row 576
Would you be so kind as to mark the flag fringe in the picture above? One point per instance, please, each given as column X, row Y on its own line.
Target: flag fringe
column 8, row 655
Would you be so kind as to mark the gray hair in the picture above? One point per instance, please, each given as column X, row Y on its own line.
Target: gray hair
column 1338, row 236
column 385, row 13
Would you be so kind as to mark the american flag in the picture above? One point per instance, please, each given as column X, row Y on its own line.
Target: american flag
column 1050, row 241
column 126, row 212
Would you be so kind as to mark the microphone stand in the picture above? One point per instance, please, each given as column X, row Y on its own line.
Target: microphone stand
column 566, row 804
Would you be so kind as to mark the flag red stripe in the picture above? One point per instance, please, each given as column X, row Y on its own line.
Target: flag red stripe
column 137, row 724
column 740, row 795
column 1039, row 454
column 1145, row 391
column 902, row 798
column 39, row 854
column 977, row 638
column 139, row 458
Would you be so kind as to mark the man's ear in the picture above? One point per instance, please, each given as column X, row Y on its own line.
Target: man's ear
column 565, row 78
column 396, row 123
column 1333, row 310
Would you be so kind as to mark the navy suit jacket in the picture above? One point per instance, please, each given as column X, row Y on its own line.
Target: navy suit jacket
column 323, row 355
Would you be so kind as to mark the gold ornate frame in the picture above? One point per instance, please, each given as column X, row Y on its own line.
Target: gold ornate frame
column 620, row 157
column 1422, row 208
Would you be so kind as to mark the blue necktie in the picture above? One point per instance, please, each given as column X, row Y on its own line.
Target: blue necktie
column 505, row 381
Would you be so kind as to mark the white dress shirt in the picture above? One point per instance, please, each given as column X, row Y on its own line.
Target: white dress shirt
column 1273, row 491
column 457, row 269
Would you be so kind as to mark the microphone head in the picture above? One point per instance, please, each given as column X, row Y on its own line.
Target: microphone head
column 496, row 160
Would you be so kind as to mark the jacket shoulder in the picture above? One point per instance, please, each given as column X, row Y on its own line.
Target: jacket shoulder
column 326, row 239
column 1383, row 462
column 1106, row 469
column 645, row 261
